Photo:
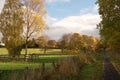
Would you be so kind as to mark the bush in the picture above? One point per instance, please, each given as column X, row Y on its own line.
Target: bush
column 86, row 58
column 69, row 67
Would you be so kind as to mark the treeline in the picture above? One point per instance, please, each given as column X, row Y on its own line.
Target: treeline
column 41, row 42
column 72, row 42
column 77, row 43
column 110, row 25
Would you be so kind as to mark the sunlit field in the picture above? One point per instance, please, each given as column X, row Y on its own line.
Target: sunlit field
column 17, row 65
column 3, row 51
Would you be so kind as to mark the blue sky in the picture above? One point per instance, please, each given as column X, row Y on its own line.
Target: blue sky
column 70, row 16
column 62, row 8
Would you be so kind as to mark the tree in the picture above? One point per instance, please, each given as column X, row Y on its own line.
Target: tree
column 76, row 43
column 34, row 16
column 85, row 40
column 64, row 41
column 100, row 47
column 114, row 42
column 42, row 42
column 32, row 43
column 89, row 43
column 92, row 42
column 109, row 26
column 52, row 43
column 11, row 26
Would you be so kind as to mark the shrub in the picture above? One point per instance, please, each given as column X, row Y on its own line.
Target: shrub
column 86, row 58
column 69, row 67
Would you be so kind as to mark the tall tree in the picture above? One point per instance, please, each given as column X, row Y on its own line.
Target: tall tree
column 11, row 26
column 34, row 16
column 110, row 24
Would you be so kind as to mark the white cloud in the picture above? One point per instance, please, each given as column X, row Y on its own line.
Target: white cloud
column 85, row 23
column 51, row 20
column 82, row 22
column 53, row 1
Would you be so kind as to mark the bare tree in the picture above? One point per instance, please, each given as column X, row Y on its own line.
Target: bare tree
column 34, row 17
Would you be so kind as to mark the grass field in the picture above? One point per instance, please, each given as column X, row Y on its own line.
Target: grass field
column 11, row 70
column 92, row 71
column 17, row 65
column 42, row 59
column 4, row 51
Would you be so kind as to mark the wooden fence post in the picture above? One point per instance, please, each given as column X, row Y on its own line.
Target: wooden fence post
column 1, row 74
column 26, row 73
column 43, row 69
column 56, row 66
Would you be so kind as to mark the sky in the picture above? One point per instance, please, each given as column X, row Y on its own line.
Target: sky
column 70, row 16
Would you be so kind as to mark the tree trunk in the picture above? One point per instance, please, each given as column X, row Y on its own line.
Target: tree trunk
column 26, row 49
column 45, row 49
column 62, row 50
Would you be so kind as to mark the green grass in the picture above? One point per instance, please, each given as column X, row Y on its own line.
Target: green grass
column 17, row 65
column 87, row 72
column 47, row 59
column 22, row 65
column 52, row 58
column 54, row 54
column 10, row 70
column 93, row 71
column 40, row 51
column 3, row 51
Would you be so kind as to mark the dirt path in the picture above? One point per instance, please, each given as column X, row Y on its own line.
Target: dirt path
column 109, row 71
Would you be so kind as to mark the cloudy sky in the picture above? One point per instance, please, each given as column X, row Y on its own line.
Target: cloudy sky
column 69, row 16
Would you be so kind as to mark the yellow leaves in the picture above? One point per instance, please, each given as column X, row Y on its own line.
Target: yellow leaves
column 38, row 23
column 34, row 16
column 39, row 20
column 36, row 1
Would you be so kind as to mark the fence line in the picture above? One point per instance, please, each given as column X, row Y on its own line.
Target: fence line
column 30, row 57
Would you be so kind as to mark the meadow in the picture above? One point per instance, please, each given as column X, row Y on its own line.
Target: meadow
column 86, row 71
column 3, row 51
column 52, row 55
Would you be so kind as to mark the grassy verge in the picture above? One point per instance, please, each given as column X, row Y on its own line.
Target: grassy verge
column 33, row 64
column 11, row 70
column 93, row 71
column 19, row 65
column 68, row 70
column 115, row 59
